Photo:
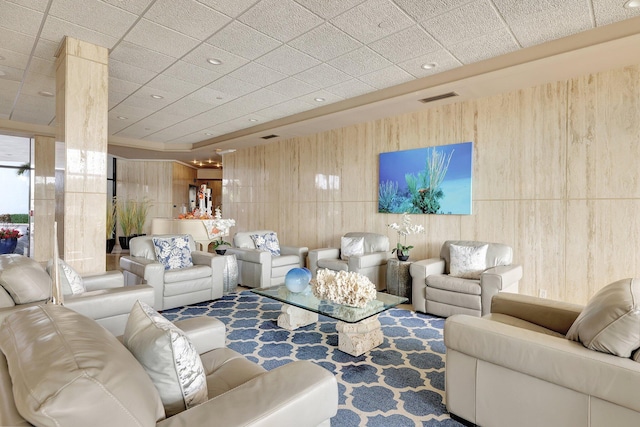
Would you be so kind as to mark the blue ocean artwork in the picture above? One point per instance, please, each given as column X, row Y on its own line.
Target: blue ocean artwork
column 431, row 180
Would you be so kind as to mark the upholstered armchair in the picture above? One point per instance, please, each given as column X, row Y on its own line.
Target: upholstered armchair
column 364, row 253
column 262, row 261
column 173, row 285
column 464, row 278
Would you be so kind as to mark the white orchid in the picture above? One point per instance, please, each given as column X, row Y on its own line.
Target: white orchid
column 403, row 231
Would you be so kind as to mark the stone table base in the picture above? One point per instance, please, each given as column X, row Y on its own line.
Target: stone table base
column 358, row 338
column 293, row 317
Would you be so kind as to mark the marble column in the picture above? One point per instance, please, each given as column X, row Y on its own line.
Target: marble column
column 82, row 120
column 44, row 197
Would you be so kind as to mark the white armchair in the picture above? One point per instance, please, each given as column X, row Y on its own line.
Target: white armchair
column 370, row 262
column 436, row 291
column 260, row 268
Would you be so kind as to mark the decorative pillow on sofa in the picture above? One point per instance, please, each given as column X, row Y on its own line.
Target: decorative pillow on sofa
column 70, row 280
column 267, row 242
column 351, row 246
column 610, row 322
column 24, row 279
column 169, row 358
column 467, row 262
column 173, row 252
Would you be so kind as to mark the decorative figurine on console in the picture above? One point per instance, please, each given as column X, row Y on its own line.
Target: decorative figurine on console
column 204, row 201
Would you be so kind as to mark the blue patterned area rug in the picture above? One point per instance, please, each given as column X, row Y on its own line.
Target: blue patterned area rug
column 398, row 384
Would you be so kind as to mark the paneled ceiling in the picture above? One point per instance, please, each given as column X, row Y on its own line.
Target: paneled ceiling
column 186, row 71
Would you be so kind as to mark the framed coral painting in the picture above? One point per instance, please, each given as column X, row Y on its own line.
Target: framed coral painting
column 431, row 180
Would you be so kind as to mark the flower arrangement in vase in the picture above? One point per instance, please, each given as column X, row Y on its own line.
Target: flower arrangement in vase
column 220, row 228
column 404, row 230
column 9, row 240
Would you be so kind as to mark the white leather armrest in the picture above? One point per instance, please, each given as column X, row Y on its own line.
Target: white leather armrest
column 421, row 269
column 322, row 253
column 108, row 280
column 251, row 255
column 205, row 333
column 294, row 250
column 502, row 276
column 300, row 394
column 202, row 258
column 372, row 259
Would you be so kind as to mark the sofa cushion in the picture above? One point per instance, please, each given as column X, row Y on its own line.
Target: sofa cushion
column 68, row 370
column 70, row 280
column 350, row 246
column 454, row 284
column 24, row 279
column 169, row 358
column 5, row 298
column 468, row 262
column 173, row 252
column 610, row 322
column 267, row 242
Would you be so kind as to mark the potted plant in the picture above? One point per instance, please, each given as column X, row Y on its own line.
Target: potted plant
column 9, row 240
column 110, row 225
column 126, row 211
column 217, row 244
column 401, row 249
column 140, row 216
column 220, row 229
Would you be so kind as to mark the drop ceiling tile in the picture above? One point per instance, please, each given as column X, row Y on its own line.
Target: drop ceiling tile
column 243, row 40
column 260, row 99
column 610, row 11
column 329, row 8
column 287, row 60
column 291, row 87
column 129, row 73
column 13, row 59
column 257, row 74
column 373, row 20
column 287, row 108
column 325, row 42
column 46, row 49
column 233, row 87
column 34, row 83
column 350, row 88
column 281, row 19
column 209, row 96
column 16, row 42
column 43, row 66
column 322, row 76
column 141, row 57
column 329, row 98
column 187, row 107
column 173, row 85
column 406, row 44
column 386, row 77
column 144, row 95
column 11, row 73
column 245, row 121
column 94, row 14
column 34, row 109
column 455, row 26
column 443, row 59
column 137, row 131
column 122, row 86
column 359, row 62
column 187, row 17
column 489, row 45
column 231, row 8
column 20, row 19
column 132, row 113
column 215, row 116
column 116, row 125
column 39, row 5
column 421, row 10
column 180, row 129
column 192, row 73
column 116, row 98
column 161, row 39
column 205, row 51
column 56, row 29
column 134, row 6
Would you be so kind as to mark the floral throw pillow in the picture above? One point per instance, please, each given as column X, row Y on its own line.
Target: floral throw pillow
column 267, row 242
column 467, row 262
column 173, row 252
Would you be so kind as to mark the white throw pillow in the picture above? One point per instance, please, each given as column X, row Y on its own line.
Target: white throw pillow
column 70, row 280
column 351, row 246
column 467, row 262
column 169, row 358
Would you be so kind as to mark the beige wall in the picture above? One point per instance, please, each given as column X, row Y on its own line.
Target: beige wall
column 555, row 175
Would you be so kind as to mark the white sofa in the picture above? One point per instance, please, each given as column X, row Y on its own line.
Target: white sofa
column 514, row 367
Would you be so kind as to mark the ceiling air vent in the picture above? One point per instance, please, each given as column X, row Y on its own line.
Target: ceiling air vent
column 438, row 97
column 269, row 136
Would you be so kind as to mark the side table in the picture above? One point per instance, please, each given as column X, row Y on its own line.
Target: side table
column 230, row 274
column 399, row 278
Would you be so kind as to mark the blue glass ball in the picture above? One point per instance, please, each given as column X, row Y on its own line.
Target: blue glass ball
column 308, row 272
column 297, row 280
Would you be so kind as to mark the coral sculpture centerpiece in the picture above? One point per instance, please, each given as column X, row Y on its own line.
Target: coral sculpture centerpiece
column 343, row 287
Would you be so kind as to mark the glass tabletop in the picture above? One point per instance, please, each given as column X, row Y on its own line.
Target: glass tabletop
column 345, row 313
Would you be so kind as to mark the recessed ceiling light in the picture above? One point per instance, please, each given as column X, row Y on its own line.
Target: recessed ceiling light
column 2, row 73
column 319, row 99
column 214, row 61
column 218, row 97
column 253, row 120
column 45, row 93
column 157, row 96
column 429, row 65
column 208, row 133
column 632, row 3
column 122, row 117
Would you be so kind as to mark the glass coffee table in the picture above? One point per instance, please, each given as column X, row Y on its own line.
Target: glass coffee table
column 359, row 329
